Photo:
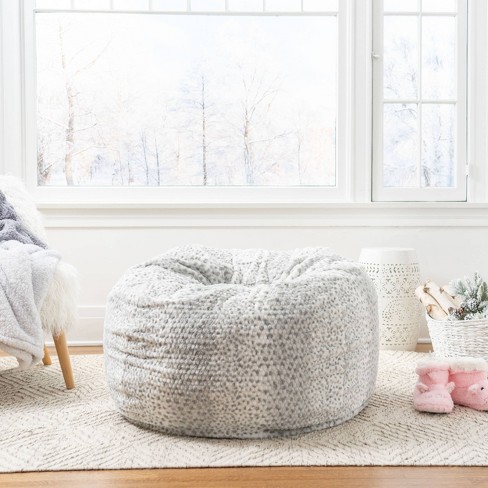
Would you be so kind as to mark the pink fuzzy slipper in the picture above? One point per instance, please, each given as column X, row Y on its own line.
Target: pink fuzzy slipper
column 433, row 391
column 469, row 376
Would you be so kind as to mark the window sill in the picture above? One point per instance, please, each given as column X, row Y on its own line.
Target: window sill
column 256, row 214
column 124, row 204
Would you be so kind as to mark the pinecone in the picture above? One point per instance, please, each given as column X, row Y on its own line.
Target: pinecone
column 457, row 313
column 470, row 305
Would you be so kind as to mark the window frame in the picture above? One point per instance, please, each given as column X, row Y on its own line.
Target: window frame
column 392, row 194
column 357, row 172
column 189, row 194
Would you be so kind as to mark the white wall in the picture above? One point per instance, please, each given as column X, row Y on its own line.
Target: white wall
column 103, row 245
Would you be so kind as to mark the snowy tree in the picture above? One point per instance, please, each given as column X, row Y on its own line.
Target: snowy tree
column 147, row 100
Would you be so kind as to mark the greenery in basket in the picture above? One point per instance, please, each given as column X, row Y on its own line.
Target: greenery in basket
column 474, row 296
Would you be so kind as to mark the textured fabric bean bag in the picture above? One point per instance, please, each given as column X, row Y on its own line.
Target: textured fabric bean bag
column 242, row 343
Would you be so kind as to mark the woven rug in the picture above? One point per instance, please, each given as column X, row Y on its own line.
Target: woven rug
column 45, row 427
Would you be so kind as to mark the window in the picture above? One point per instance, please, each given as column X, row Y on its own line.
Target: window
column 420, row 100
column 245, row 100
column 217, row 94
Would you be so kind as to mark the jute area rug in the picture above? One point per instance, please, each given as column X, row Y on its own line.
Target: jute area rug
column 45, row 427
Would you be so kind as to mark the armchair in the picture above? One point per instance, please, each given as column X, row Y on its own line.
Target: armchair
column 58, row 311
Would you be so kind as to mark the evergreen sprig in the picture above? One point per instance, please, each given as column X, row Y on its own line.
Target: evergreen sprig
column 474, row 295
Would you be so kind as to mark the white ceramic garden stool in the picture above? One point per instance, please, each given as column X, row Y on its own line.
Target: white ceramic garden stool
column 395, row 274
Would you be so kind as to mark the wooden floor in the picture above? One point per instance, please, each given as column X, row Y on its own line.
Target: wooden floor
column 280, row 477
column 297, row 477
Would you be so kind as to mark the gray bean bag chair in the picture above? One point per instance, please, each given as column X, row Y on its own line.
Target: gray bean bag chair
column 242, row 343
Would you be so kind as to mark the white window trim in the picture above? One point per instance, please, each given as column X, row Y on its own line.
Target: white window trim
column 341, row 192
column 381, row 193
column 415, row 215
column 16, row 124
column 12, row 154
column 362, row 103
column 477, row 141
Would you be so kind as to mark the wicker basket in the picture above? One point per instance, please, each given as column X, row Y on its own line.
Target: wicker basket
column 459, row 337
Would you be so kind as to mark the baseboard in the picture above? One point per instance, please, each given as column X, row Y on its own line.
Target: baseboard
column 88, row 330
column 50, row 343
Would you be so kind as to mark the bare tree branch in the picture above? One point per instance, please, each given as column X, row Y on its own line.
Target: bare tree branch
column 53, row 121
column 92, row 62
column 86, row 128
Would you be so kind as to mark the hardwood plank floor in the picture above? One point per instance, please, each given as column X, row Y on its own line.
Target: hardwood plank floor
column 282, row 477
column 73, row 350
column 277, row 477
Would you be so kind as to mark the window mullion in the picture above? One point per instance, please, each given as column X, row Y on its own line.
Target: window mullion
column 477, row 97
column 420, row 94
column 377, row 76
column 361, row 74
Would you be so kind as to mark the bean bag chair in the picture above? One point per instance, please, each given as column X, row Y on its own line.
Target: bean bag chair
column 242, row 343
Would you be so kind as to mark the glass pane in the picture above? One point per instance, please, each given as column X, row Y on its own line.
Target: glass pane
column 400, row 58
column 53, row 4
column 320, row 5
column 186, row 99
column 401, row 5
column 283, row 5
column 439, row 5
column 439, row 57
column 438, row 145
column 92, row 4
column 400, row 149
column 131, row 4
column 208, row 5
column 170, row 5
column 245, row 5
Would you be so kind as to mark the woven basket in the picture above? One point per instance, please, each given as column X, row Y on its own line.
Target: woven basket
column 459, row 337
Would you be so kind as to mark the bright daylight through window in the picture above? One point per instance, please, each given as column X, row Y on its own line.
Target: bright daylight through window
column 324, row 100
column 157, row 99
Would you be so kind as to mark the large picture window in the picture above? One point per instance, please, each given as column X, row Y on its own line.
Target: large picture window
column 253, row 101
column 208, row 96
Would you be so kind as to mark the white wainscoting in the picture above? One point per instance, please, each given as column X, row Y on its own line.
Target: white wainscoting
column 451, row 240
column 89, row 328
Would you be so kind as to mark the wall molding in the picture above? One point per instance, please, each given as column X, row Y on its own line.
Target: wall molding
column 127, row 216
column 88, row 330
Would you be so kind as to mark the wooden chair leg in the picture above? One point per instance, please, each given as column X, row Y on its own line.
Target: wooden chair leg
column 46, row 360
column 64, row 360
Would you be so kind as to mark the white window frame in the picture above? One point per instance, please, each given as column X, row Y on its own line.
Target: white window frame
column 380, row 192
column 355, row 177
column 189, row 194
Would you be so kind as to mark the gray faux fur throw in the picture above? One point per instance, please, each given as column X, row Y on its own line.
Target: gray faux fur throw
column 26, row 271
column 12, row 228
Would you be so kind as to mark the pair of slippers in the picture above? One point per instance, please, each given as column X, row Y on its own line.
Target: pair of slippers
column 443, row 383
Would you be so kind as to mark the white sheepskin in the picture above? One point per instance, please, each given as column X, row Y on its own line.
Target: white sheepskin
column 431, row 364
column 468, row 364
column 59, row 309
